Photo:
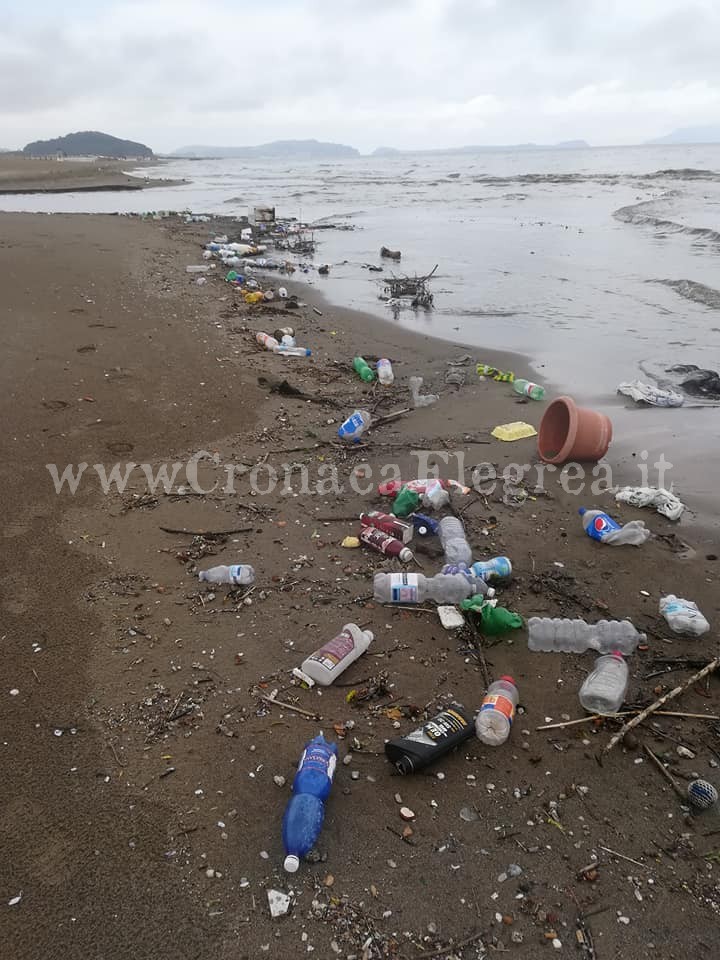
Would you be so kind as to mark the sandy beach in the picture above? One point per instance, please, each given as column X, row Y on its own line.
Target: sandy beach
column 141, row 816
column 19, row 174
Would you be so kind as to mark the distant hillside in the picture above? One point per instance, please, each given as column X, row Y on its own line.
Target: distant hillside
column 488, row 148
column 89, row 143
column 709, row 134
column 286, row 149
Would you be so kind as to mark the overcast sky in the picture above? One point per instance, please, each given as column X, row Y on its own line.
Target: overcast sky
column 405, row 73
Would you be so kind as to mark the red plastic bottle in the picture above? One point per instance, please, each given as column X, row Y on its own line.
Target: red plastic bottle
column 383, row 543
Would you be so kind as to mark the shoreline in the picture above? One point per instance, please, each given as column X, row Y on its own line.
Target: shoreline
column 25, row 175
column 169, row 773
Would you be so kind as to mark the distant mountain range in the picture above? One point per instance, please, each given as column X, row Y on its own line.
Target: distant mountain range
column 88, row 143
column 290, row 149
column 486, row 148
column 707, row 134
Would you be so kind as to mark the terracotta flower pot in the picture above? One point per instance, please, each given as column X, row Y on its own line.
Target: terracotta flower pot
column 568, row 432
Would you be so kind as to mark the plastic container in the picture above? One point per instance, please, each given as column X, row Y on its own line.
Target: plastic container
column 406, row 502
column 388, row 524
column 287, row 351
column 385, row 544
column 604, row 688
column 601, row 527
column 435, row 496
column 454, row 542
column 527, row 388
column 569, row 432
column 363, row 369
column 433, row 740
column 683, row 616
column 385, row 371
column 391, row 487
column 494, row 721
column 238, row 574
column 355, row 425
column 424, row 526
column 418, row 399
column 547, row 634
column 326, row 664
column 417, row 588
column 305, row 812
column 497, row 570
column 266, row 341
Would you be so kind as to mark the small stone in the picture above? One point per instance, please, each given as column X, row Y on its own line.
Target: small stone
column 209, row 873
column 406, row 813
column 347, row 759
column 684, row 752
column 279, row 781
column 625, row 920
column 407, row 832
column 630, row 741
column 391, row 864
column 432, row 928
column 469, row 815
column 14, row 692
column 329, row 880
column 398, row 798
column 644, row 593
column 557, row 944
column 514, row 870
column 507, row 920
column 355, row 775
column 264, row 855
column 440, row 776
column 516, row 936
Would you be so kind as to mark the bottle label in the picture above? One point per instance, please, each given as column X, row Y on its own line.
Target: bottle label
column 404, row 587
column 335, row 650
column 601, row 526
column 381, row 541
column 445, row 724
column 496, row 701
column 235, row 573
column 318, row 758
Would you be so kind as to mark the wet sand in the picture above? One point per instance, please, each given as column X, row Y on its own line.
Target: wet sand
column 19, row 174
column 139, row 758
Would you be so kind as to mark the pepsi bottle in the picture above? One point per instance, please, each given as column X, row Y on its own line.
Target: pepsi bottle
column 305, row 812
column 601, row 527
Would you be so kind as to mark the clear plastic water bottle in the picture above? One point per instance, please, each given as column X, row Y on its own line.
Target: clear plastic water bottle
column 287, row 351
column 604, row 688
column 305, row 812
column 493, row 722
column 683, row 616
column 496, row 570
column 417, row 588
column 481, row 587
column 454, row 542
column 527, row 388
column 603, row 528
column 355, row 425
column 548, row 634
column 385, row 371
column 238, row 574
column 419, row 399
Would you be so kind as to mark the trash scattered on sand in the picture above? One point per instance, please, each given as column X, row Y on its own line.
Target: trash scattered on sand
column 665, row 502
column 654, row 396
column 517, row 430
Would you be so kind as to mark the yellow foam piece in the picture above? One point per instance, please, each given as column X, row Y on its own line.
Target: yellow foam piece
column 517, row 430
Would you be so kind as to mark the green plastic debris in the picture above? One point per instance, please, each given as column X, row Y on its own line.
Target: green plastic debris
column 363, row 369
column 494, row 620
column 405, row 503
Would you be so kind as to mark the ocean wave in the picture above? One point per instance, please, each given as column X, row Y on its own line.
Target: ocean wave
column 680, row 173
column 692, row 290
column 636, row 214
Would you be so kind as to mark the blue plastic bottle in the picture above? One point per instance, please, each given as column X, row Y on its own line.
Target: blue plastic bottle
column 305, row 812
column 597, row 524
column 497, row 570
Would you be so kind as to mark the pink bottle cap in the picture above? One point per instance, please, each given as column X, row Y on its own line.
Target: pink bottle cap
column 508, row 680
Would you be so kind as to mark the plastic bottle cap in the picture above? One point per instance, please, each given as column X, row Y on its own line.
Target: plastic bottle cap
column 404, row 765
column 581, row 511
column 508, row 680
column 292, row 863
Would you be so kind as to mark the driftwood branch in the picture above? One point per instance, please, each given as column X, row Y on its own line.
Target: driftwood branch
column 208, row 534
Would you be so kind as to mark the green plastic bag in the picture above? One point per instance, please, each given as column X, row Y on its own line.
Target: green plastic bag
column 405, row 503
column 494, row 620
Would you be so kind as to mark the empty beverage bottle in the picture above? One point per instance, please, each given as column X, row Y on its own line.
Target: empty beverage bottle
column 604, row 688
column 481, row 587
column 266, row 341
column 454, row 542
column 388, row 524
column 425, row 526
column 355, row 425
column 683, row 616
column 326, row 664
column 283, row 332
column 363, row 369
column 305, row 812
column 287, row 351
column 238, row 574
column 417, row 588
column 493, row 722
column 527, row 388
column 419, row 399
column 602, row 527
column 385, row 371
column 548, row 634
column 384, row 543
column 497, row 570
column 433, row 740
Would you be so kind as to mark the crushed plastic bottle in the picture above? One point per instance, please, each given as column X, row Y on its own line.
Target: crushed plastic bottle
column 385, row 371
column 305, row 812
column 266, row 341
column 683, row 616
column 494, row 721
column 548, row 634
column 604, row 688
column 454, row 542
column 355, row 425
column 238, row 574
column 417, row 588
column 418, row 399
column 599, row 526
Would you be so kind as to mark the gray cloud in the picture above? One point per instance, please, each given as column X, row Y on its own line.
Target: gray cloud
column 403, row 72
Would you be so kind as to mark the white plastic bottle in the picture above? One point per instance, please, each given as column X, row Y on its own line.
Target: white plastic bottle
column 326, row 664
column 493, row 722
column 286, row 351
column 417, row 588
column 385, row 371
column 454, row 542
column 238, row 574
column 355, row 425
column 604, row 688
column 549, row 634
column 683, row 616
column 266, row 341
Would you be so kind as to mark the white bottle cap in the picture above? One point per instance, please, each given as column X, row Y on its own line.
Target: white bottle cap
column 292, row 863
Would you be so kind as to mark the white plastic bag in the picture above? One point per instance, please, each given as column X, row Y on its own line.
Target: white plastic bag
column 683, row 616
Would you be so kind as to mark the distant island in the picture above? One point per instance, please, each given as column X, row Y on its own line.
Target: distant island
column 284, row 149
column 708, row 134
column 88, row 143
column 486, row 148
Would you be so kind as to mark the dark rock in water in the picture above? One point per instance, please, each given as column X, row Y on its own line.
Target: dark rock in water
column 390, row 254
column 698, row 382
column 324, row 269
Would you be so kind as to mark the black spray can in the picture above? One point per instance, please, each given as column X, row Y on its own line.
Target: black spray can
column 431, row 741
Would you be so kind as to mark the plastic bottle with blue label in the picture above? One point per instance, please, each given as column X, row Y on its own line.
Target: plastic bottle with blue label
column 305, row 812
column 497, row 570
column 604, row 529
column 236, row 574
column 355, row 425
